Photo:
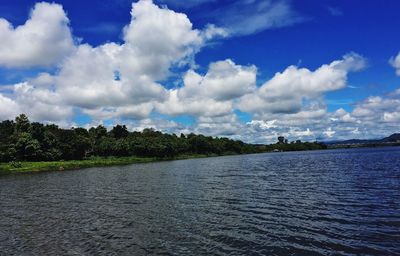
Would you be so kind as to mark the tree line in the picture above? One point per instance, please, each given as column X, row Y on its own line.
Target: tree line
column 25, row 141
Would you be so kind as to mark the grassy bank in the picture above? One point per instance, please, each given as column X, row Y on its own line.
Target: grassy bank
column 29, row 167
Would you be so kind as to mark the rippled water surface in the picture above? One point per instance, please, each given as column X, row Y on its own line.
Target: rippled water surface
column 327, row 202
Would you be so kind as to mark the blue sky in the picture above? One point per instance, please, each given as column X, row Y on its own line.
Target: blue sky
column 206, row 66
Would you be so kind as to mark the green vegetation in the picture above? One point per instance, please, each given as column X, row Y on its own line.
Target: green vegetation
column 21, row 167
column 26, row 146
column 25, row 141
column 296, row 146
column 29, row 167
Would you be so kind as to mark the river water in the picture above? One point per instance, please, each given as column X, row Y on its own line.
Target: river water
column 333, row 202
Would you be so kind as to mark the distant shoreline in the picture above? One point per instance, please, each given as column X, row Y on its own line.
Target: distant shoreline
column 363, row 145
column 36, row 167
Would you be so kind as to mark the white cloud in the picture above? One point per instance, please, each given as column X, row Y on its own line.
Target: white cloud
column 301, row 133
column 43, row 40
column 391, row 116
column 174, row 105
column 121, row 80
column 377, row 109
column 224, row 81
column 43, row 80
column 247, row 17
column 114, row 80
column 286, row 91
column 38, row 103
column 342, row 115
column 212, row 31
column 41, row 104
column 329, row 132
column 9, row 109
column 227, row 125
column 263, row 124
column 139, row 111
column 213, row 93
column 355, row 131
column 395, row 62
column 172, row 40
column 88, row 78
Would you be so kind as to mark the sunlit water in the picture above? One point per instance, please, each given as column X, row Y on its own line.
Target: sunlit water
column 304, row 203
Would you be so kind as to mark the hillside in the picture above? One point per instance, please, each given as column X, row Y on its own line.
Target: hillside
column 394, row 138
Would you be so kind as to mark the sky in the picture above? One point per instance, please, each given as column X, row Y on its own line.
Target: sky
column 251, row 70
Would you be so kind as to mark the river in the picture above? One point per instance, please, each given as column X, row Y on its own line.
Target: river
column 344, row 202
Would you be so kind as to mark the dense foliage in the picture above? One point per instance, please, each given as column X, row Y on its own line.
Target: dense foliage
column 25, row 141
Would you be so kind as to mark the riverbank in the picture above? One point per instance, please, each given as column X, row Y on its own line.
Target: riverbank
column 31, row 167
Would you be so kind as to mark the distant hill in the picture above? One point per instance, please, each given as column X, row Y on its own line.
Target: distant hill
column 392, row 138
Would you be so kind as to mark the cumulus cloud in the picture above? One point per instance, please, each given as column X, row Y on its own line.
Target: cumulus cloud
column 228, row 126
column 287, row 90
column 44, row 39
column 342, row 115
column 171, row 41
column 395, row 62
column 121, row 80
column 377, row 109
column 224, row 81
column 88, row 79
column 9, row 108
column 43, row 80
column 174, row 105
column 329, row 132
column 39, row 103
column 137, row 111
column 114, row 75
column 213, row 93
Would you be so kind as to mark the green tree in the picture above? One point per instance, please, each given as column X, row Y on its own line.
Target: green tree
column 28, row 148
column 119, row 131
column 22, row 123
